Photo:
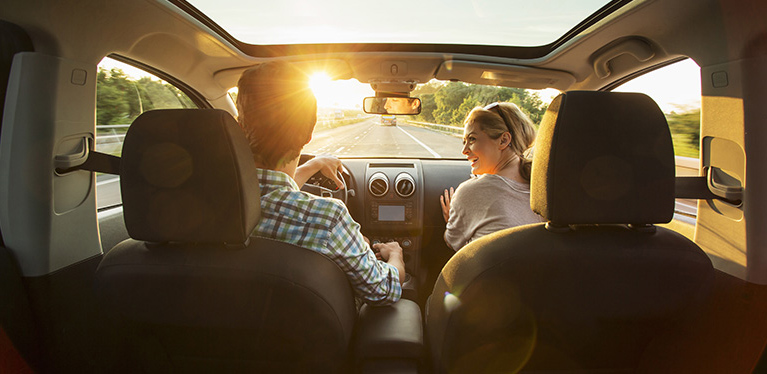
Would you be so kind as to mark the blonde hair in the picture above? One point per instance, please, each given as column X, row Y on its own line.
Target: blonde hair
column 519, row 126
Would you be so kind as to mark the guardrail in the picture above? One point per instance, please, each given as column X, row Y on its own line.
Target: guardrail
column 450, row 130
column 112, row 142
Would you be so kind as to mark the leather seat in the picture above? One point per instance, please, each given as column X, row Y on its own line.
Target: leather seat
column 196, row 292
column 588, row 290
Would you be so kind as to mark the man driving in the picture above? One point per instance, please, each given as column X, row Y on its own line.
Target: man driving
column 277, row 112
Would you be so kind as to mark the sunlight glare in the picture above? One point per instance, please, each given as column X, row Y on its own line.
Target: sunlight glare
column 346, row 94
column 320, row 83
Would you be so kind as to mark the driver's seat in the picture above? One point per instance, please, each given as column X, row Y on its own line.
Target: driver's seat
column 196, row 292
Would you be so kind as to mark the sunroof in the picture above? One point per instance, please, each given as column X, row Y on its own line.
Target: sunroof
column 522, row 23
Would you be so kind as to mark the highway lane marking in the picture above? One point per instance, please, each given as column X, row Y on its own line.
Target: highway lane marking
column 435, row 154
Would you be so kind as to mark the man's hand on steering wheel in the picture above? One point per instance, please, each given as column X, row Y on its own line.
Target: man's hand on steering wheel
column 329, row 166
column 323, row 176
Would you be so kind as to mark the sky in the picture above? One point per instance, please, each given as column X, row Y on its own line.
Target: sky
column 494, row 22
column 675, row 87
column 501, row 22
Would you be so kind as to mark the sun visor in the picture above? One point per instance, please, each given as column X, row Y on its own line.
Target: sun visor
column 504, row 75
column 335, row 69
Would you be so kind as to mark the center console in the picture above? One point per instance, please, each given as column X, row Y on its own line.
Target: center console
column 393, row 201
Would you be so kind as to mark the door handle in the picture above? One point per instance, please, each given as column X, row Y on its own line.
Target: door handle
column 76, row 158
column 724, row 186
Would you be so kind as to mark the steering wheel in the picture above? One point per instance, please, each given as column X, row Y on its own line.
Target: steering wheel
column 320, row 185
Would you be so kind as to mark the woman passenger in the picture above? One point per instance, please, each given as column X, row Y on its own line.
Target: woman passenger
column 496, row 141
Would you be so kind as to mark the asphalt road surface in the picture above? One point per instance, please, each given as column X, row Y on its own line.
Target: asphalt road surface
column 107, row 190
column 370, row 139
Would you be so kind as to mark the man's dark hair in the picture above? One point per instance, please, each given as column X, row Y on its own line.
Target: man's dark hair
column 277, row 111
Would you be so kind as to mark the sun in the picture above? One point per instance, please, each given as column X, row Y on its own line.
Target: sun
column 338, row 94
column 320, row 83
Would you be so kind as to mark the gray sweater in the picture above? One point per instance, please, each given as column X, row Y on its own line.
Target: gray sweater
column 487, row 204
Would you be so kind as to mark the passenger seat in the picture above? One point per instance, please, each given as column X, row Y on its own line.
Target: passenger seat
column 588, row 290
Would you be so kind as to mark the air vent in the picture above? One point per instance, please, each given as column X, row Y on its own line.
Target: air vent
column 404, row 185
column 378, row 185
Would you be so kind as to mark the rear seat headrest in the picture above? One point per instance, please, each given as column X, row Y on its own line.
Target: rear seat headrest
column 187, row 175
column 603, row 158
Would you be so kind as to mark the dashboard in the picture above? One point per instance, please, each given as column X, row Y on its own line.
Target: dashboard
column 398, row 200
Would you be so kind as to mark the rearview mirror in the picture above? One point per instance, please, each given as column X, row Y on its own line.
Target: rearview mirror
column 392, row 105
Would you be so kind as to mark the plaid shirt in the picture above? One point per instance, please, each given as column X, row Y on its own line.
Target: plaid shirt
column 325, row 226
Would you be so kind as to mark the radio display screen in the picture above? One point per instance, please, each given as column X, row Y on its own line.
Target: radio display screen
column 395, row 213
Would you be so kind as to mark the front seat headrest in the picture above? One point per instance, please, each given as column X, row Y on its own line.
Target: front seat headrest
column 187, row 175
column 603, row 158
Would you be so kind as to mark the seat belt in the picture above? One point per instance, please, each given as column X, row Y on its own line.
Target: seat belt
column 693, row 188
column 716, row 184
column 98, row 162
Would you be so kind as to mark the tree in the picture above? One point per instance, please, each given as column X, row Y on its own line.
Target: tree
column 156, row 94
column 449, row 98
column 428, row 105
column 460, row 114
column 119, row 99
column 685, row 130
column 449, row 103
column 111, row 104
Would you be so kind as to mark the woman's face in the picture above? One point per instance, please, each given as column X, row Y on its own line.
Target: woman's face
column 483, row 152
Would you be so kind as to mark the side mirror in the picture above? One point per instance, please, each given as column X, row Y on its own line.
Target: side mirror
column 392, row 105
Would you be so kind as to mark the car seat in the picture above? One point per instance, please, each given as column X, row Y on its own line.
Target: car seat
column 588, row 290
column 195, row 292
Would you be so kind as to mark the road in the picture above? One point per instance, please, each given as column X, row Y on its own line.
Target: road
column 369, row 139
column 107, row 190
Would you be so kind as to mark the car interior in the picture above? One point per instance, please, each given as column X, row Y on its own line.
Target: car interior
column 127, row 203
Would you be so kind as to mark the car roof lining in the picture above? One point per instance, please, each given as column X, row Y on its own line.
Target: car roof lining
column 180, row 45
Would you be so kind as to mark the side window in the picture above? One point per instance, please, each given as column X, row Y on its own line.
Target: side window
column 123, row 92
column 676, row 89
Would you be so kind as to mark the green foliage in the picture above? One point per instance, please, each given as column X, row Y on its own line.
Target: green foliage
column 111, row 93
column 428, row 105
column 448, row 99
column 685, row 132
column 459, row 115
column 450, row 103
column 120, row 99
column 428, row 88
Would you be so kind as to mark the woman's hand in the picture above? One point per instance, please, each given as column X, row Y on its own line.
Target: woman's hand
column 445, row 200
column 329, row 166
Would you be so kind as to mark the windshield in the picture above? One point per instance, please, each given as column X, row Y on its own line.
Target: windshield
column 478, row 22
column 344, row 130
